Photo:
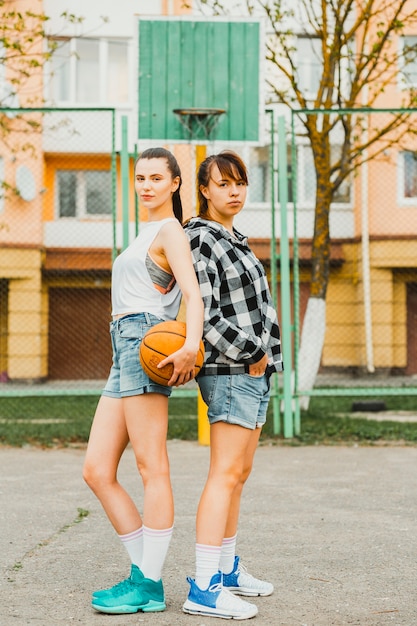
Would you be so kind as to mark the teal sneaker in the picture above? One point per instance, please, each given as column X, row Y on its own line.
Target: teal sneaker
column 134, row 594
column 123, row 584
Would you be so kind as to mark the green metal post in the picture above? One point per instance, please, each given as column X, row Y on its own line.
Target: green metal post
column 285, row 278
column 275, row 390
column 296, row 283
column 114, row 184
column 135, row 155
column 124, row 166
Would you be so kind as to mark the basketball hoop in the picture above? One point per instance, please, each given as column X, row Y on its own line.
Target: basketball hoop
column 199, row 122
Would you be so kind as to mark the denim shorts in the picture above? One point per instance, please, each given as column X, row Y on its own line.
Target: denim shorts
column 127, row 377
column 236, row 398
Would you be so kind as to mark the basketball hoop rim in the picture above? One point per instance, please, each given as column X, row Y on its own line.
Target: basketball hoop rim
column 198, row 111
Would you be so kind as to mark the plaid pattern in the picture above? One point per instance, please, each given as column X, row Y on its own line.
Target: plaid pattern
column 240, row 321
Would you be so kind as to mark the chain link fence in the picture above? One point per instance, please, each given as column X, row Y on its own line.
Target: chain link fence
column 58, row 207
column 67, row 207
column 370, row 311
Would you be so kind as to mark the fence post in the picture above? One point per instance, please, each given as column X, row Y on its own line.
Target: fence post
column 124, row 166
column 285, row 278
column 273, row 253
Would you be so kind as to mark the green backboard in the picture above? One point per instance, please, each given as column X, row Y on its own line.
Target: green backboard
column 199, row 64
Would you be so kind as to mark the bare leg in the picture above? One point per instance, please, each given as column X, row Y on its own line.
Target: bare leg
column 229, row 448
column 233, row 518
column 107, row 442
column 147, row 425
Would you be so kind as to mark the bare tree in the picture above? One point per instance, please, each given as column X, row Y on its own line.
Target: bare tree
column 357, row 52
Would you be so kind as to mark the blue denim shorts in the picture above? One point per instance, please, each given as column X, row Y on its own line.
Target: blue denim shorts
column 127, row 377
column 236, row 398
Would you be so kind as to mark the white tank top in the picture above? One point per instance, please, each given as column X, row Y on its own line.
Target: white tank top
column 139, row 285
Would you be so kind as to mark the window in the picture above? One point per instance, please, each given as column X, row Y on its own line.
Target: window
column 87, row 70
column 309, row 64
column 84, row 193
column 2, row 189
column 259, row 170
column 306, row 177
column 290, row 196
column 409, row 60
column 90, row 71
column 408, row 177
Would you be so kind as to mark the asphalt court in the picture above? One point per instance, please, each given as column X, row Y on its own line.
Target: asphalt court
column 334, row 528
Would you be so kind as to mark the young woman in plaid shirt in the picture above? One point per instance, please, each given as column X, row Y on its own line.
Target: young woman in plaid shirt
column 242, row 341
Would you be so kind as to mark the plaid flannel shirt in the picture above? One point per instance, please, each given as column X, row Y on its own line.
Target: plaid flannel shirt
column 240, row 321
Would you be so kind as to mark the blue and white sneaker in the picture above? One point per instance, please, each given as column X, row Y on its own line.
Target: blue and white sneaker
column 137, row 593
column 215, row 601
column 240, row 582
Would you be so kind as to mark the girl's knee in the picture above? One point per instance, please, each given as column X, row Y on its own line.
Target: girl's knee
column 155, row 467
column 96, row 476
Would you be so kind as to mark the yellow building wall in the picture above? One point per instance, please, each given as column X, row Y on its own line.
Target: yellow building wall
column 343, row 329
column 27, row 349
column 392, row 264
column 3, row 328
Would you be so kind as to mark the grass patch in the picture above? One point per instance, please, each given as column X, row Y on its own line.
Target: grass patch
column 329, row 421
column 66, row 420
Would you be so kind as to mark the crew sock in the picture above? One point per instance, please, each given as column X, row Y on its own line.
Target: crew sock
column 207, row 564
column 155, row 548
column 227, row 555
column 133, row 542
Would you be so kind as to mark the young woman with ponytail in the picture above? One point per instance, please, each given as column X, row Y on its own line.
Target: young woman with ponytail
column 148, row 280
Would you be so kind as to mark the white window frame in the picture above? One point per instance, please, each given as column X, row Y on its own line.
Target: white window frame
column 404, row 200
column 404, row 82
column 2, row 189
column 310, row 63
column 103, row 55
column 302, row 176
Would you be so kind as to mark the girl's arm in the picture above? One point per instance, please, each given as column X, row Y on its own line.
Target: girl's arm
column 178, row 254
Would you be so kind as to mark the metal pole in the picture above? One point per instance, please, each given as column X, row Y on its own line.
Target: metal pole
column 114, row 184
column 285, row 278
column 295, row 282
column 124, row 166
column 203, row 425
column 273, row 253
column 135, row 155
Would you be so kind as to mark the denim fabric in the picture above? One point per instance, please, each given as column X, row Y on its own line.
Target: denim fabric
column 127, row 377
column 236, row 399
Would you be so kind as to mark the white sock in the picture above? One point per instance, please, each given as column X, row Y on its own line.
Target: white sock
column 133, row 542
column 206, row 564
column 155, row 548
column 227, row 555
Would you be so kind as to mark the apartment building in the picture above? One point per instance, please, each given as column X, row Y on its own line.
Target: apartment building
column 60, row 231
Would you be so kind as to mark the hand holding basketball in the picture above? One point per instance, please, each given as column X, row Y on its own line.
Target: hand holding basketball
column 161, row 341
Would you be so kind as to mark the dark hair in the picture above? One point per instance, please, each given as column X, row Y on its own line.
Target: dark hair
column 230, row 165
column 174, row 168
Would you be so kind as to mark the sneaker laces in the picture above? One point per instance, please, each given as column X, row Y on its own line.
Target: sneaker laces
column 216, row 587
column 247, row 578
column 227, row 598
column 241, row 569
column 121, row 587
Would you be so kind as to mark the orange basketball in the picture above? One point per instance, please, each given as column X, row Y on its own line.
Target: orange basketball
column 161, row 341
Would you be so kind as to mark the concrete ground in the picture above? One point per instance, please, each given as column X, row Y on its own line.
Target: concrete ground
column 334, row 528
